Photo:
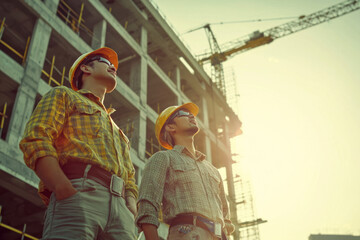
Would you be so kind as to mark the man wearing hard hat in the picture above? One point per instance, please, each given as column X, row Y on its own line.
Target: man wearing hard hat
column 81, row 156
column 181, row 182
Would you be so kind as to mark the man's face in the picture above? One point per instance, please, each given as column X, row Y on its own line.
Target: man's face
column 185, row 122
column 104, row 72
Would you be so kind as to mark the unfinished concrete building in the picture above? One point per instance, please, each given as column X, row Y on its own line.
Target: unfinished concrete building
column 40, row 39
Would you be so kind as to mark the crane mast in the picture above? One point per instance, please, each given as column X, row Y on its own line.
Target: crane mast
column 217, row 71
column 219, row 54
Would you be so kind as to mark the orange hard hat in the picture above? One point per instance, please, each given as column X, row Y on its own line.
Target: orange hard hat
column 164, row 116
column 108, row 53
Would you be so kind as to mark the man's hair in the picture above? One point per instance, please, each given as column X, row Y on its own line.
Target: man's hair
column 166, row 136
column 79, row 74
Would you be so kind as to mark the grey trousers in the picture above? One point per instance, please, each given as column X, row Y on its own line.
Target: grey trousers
column 92, row 213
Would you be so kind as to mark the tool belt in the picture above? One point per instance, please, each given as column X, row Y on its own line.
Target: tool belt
column 208, row 225
column 115, row 184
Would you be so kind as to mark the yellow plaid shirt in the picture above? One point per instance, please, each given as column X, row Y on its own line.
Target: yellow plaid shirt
column 75, row 125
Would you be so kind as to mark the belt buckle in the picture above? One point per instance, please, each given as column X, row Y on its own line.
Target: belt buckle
column 116, row 185
column 213, row 227
column 217, row 229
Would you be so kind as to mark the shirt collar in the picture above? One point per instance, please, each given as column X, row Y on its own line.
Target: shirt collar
column 181, row 149
column 95, row 98
column 86, row 92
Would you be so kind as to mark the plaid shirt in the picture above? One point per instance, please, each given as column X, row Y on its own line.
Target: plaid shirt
column 75, row 125
column 182, row 185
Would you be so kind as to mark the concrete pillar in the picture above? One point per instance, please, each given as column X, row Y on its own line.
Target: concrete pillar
column 138, row 83
column 139, row 175
column 138, row 79
column 143, row 39
column 208, row 148
column 177, row 80
column 230, row 183
column 179, row 100
column 138, row 142
column 138, row 71
column 98, row 39
column 27, row 91
column 205, row 112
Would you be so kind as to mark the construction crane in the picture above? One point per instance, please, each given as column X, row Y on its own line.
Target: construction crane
column 217, row 55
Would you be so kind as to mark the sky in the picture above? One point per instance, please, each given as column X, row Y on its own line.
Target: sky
column 300, row 108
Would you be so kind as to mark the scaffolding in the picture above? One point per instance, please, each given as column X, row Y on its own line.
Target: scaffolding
column 248, row 223
column 231, row 89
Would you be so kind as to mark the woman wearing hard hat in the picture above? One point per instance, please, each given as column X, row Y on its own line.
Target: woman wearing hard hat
column 82, row 157
column 180, row 181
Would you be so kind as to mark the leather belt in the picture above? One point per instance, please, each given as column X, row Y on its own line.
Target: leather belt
column 208, row 225
column 115, row 184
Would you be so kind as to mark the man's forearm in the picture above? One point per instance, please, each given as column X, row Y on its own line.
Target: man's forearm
column 131, row 204
column 150, row 231
column 49, row 171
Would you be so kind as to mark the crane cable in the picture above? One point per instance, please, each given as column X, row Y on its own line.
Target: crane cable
column 240, row 21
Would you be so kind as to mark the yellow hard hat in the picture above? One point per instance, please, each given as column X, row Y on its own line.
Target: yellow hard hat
column 108, row 53
column 164, row 116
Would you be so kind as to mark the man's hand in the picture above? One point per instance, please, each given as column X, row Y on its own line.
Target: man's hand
column 131, row 205
column 48, row 170
column 150, row 232
column 63, row 191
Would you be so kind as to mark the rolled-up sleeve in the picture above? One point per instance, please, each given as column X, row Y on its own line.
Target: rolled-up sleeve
column 230, row 228
column 131, row 189
column 152, row 189
column 44, row 127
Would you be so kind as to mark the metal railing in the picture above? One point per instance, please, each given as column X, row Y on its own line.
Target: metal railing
column 154, row 144
column 21, row 232
column 128, row 129
column 53, row 68
column 74, row 19
column 22, row 56
column 154, row 147
column 3, row 116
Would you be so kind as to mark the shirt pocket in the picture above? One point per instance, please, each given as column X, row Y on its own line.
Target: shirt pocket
column 85, row 122
column 214, row 182
column 183, row 173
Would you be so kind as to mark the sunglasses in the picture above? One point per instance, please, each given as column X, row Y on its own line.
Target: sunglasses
column 179, row 113
column 100, row 59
